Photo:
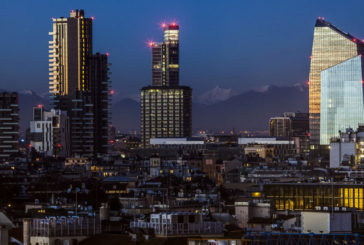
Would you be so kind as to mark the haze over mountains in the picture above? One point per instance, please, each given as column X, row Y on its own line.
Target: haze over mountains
column 217, row 109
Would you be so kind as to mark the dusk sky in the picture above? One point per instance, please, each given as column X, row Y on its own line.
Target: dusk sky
column 232, row 44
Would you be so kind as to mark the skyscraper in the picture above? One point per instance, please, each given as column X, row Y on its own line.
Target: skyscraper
column 165, row 57
column 101, row 97
column 9, row 125
column 342, row 100
column 165, row 106
column 70, row 50
column 331, row 46
column 79, row 84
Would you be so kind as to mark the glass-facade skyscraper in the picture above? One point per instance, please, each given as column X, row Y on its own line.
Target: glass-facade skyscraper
column 331, row 46
column 166, row 107
column 341, row 98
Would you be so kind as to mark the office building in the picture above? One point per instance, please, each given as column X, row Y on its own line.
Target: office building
column 79, row 84
column 9, row 125
column 341, row 98
column 49, row 132
column 311, row 196
column 331, row 46
column 166, row 107
column 166, row 112
column 280, row 127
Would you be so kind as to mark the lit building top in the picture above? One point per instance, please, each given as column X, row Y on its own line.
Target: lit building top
column 331, row 46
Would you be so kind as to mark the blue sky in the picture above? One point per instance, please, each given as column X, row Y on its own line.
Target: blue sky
column 232, row 44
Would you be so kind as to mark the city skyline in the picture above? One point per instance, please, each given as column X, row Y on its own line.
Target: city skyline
column 240, row 71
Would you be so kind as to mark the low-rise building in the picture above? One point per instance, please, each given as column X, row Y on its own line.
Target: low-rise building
column 179, row 224
column 326, row 222
column 49, row 132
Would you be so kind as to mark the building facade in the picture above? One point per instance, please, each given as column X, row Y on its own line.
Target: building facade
column 280, row 127
column 9, row 125
column 165, row 112
column 79, row 84
column 331, row 46
column 341, row 98
column 49, row 131
column 166, row 107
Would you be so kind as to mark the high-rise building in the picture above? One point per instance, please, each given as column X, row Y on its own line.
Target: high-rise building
column 79, row 84
column 342, row 100
column 165, row 57
column 280, row 127
column 69, row 53
column 9, row 125
column 166, row 107
column 101, row 96
column 166, row 112
column 49, row 132
column 331, row 46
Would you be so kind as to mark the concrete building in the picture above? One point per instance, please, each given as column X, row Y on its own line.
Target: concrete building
column 348, row 148
column 326, row 222
column 9, row 125
column 280, row 127
column 49, row 132
column 179, row 224
column 248, row 210
column 273, row 147
column 59, row 230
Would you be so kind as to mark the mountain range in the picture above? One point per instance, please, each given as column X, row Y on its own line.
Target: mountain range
column 250, row 110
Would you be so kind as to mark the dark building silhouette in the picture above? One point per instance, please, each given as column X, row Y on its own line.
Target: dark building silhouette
column 9, row 125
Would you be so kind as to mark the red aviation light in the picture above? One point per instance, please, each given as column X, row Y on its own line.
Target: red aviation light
column 30, row 145
column 59, row 145
column 354, row 40
column 111, row 142
column 107, row 54
column 112, row 92
column 308, row 83
column 92, row 17
column 40, row 106
column 310, row 56
column 151, row 44
column 164, row 25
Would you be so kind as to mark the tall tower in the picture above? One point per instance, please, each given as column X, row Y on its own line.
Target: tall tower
column 69, row 53
column 165, row 106
column 165, row 57
column 79, row 84
column 331, row 46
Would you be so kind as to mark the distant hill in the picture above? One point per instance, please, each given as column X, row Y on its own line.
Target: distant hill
column 247, row 111
column 250, row 110
column 126, row 115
